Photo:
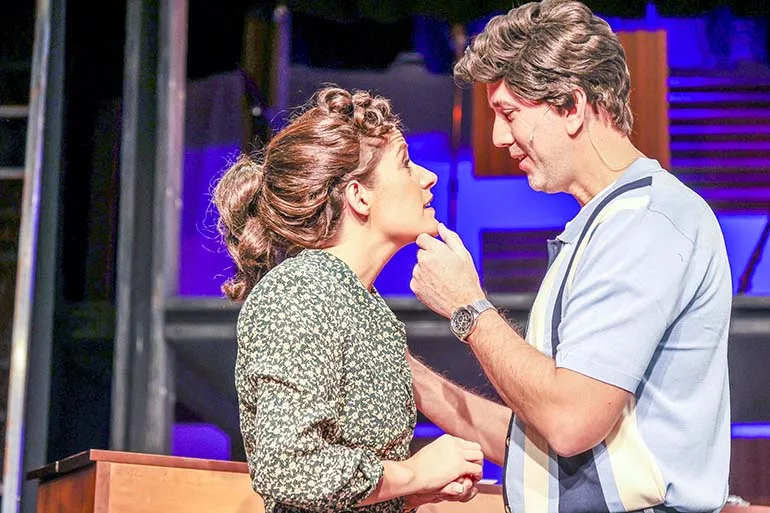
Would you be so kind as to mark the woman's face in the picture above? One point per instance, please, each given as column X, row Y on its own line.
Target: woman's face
column 401, row 205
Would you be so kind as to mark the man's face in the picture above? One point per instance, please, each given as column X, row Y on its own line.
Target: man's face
column 534, row 135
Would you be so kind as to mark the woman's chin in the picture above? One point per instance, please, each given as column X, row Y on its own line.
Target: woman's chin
column 433, row 228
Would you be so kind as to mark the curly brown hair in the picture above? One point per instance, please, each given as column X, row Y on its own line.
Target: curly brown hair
column 544, row 50
column 291, row 196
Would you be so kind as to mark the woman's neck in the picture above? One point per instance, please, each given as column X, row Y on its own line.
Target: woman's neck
column 364, row 255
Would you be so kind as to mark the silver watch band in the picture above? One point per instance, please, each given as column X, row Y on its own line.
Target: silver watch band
column 482, row 305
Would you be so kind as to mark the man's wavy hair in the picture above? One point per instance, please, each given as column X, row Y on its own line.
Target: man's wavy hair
column 545, row 50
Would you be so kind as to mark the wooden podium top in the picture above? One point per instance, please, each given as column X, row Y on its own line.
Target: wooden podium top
column 85, row 458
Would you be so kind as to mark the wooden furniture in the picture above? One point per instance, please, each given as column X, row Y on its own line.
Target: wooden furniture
column 99, row 481
column 120, row 482
column 750, row 469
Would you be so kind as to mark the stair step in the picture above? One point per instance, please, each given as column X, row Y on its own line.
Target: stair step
column 721, row 146
column 499, row 262
column 701, row 82
column 715, row 131
column 736, row 115
column 718, row 98
column 727, row 165
column 721, row 155
column 512, row 284
column 721, row 178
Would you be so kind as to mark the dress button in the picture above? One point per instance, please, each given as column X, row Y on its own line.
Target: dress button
column 507, row 509
column 507, row 441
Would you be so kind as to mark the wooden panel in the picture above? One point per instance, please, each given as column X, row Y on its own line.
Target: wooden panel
column 73, row 493
column 488, row 161
column 647, row 60
column 750, row 470
column 141, row 488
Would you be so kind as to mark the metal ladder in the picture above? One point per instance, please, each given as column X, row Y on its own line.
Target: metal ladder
column 32, row 238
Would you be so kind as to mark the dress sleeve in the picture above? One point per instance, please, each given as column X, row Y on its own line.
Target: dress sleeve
column 288, row 376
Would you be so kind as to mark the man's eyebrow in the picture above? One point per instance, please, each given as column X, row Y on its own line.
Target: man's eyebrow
column 502, row 104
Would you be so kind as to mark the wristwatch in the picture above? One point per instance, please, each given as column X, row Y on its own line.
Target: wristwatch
column 463, row 320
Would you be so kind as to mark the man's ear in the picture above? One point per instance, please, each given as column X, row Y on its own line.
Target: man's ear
column 575, row 115
column 358, row 198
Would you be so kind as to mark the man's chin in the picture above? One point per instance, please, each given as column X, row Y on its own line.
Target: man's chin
column 538, row 185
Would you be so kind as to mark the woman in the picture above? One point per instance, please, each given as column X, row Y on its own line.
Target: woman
column 325, row 392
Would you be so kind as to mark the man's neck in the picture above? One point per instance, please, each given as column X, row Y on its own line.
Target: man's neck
column 606, row 155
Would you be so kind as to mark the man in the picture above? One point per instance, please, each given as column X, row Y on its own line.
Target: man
column 619, row 393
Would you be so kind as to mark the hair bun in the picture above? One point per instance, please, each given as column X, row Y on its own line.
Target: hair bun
column 236, row 194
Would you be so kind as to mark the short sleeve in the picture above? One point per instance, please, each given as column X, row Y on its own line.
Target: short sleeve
column 627, row 290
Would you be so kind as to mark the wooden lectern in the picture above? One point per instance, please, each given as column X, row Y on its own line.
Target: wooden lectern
column 122, row 482
column 98, row 481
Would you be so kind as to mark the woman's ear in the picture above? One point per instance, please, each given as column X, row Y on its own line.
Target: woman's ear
column 575, row 115
column 358, row 198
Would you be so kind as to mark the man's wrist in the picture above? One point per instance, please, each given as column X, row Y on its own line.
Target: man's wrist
column 468, row 299
column 483, row 321
column 463, row 320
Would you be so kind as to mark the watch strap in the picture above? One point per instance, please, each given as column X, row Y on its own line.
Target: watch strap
column 482, row 305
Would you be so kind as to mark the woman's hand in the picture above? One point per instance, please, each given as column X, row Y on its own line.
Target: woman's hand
column 462, row 490
column 445, row 460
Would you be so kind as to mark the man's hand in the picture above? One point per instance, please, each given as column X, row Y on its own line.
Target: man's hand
column 445, row 278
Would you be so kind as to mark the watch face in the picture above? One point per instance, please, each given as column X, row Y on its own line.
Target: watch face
column 462, row 321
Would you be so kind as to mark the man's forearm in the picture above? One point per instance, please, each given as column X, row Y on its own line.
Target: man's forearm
column 461, row 413
column 571, row 411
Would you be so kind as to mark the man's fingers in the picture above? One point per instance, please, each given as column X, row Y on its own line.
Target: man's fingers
column 425, row 241
column 452, row 240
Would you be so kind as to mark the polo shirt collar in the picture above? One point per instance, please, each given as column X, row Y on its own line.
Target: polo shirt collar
column 641, row 167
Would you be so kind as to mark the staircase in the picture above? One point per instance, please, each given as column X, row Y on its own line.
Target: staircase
column 515, row 261
column 720, row 136
column 720, row 146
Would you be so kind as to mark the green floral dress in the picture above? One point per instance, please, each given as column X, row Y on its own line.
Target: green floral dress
column 324, row 389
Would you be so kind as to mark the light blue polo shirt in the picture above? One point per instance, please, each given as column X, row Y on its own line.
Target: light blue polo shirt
column 646, row 307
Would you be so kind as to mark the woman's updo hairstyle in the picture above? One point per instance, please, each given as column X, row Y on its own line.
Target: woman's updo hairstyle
column 290, row 196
